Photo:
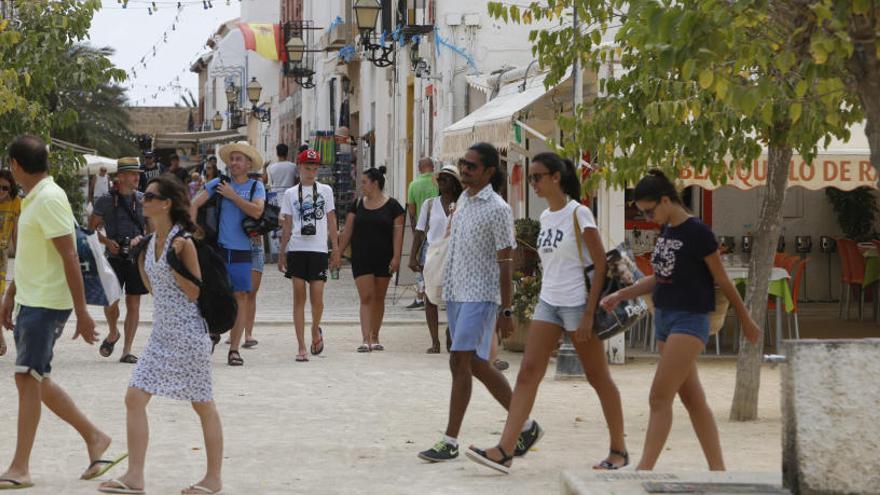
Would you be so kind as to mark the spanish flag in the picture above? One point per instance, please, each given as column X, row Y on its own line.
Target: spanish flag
column 265, row 39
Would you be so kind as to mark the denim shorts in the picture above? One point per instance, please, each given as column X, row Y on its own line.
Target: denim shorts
column 258, row 257
column 669, row 321
column 472, row 326
column 36, row 330
column 567, row 317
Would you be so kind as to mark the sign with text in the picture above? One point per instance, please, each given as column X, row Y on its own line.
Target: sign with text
column 845, row 172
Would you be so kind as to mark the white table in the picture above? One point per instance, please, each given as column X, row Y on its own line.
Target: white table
column 741, row 272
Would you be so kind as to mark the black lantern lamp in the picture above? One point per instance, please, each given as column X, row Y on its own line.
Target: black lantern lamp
column 366, row 13
column 300, row 61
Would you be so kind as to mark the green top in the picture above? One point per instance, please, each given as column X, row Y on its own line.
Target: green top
column 39, row 269
column 420, row 189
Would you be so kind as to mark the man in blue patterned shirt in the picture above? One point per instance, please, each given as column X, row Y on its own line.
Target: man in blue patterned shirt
column 477, row 270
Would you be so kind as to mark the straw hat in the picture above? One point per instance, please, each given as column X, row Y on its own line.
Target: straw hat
column 128, row 164
column 244, row 148
column 449, row 170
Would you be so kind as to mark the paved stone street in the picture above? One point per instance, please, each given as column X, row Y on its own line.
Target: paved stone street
column 340, row 301
column 352, row 423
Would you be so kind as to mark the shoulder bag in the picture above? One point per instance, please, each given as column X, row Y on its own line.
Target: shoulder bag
column 621, row 272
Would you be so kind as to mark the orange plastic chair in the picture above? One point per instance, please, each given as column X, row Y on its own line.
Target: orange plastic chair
column 779, row 260
column 855, row 263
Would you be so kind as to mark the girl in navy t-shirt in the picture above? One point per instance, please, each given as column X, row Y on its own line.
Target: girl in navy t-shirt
column 687, row 266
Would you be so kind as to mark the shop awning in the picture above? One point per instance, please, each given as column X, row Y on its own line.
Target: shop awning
column 95, row 162
column 175, row 139
column 844, row 171
column 844, row 165
column 493, row 122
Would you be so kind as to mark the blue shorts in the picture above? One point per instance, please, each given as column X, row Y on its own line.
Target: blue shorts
column 669, row 321
column 36, row 330
column 472, row 326
column 258, row 257
column 566, row 317
column 238, row 264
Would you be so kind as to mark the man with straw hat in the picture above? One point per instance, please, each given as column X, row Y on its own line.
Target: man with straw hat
column 240, row 197
column 121, row 213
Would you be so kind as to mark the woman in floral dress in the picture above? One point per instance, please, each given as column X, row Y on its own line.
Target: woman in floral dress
column 177, row 360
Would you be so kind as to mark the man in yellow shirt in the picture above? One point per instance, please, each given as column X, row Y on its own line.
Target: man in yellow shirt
column 46, row 248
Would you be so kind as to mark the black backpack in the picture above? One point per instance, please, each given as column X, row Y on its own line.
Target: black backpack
column 208, row 219
column 216, row 298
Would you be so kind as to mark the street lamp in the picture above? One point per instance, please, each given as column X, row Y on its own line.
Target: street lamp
column 231, row 93
column 217, row 121
column 296, row 49
column 254, row 88
column 366, row 12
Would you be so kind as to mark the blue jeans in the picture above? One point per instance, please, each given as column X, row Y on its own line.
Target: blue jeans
column 669, row 321
column 36, row 330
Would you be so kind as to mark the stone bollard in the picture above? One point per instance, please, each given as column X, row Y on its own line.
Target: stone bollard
column 568, row 365
column 831, row 417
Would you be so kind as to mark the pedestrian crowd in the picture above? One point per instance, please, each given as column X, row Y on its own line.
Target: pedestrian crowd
column 462, row 249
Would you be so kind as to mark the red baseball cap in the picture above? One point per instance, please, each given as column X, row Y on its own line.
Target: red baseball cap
column 308, row 156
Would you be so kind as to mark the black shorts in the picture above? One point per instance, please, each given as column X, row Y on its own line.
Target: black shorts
column 307, row 265
column 377, row 267
column 129, row 277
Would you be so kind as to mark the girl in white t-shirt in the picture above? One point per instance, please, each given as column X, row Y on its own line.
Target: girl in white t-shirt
column 564, row 306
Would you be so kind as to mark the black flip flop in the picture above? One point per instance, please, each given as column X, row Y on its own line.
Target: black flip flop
column 315, row 349
column 234, row 359
column 129, row 359
column 248, row 344
column 107, row 347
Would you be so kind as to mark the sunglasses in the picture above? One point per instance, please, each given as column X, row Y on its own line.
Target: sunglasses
column 5, row 188
column 537, row 176
column 151, row 196
column 462, row 163
column 649, row 212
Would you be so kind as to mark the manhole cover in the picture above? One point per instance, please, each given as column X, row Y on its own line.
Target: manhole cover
column 713, row 488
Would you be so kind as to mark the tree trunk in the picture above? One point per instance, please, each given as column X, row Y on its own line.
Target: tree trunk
column 748, row 363
column 864, row 67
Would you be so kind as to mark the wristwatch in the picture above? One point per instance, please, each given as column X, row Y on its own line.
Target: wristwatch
column 505, row 312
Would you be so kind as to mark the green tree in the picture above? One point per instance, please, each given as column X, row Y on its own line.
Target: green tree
column 36, row 46
column 697, row 83
column 847, row 33
column 102, row 121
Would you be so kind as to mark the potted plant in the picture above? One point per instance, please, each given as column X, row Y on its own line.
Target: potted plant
column 525, row 256
column 856, row 212
column 526, row 289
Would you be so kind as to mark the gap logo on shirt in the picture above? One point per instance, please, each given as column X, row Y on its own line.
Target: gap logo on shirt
column 664, row 256
column 549, row 239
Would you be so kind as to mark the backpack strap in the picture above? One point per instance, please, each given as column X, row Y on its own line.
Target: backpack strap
column 176, row 264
